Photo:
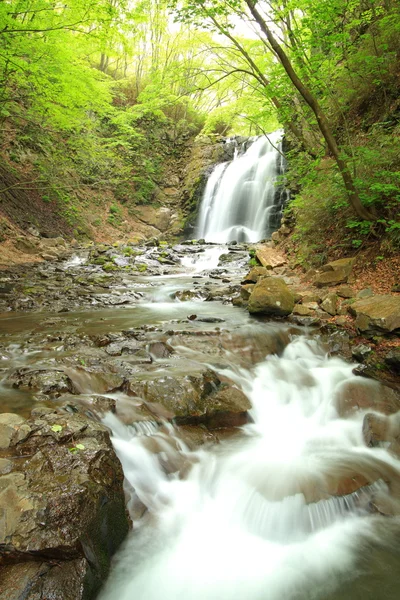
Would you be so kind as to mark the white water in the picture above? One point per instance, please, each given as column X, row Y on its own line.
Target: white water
column 254, row 518
column 239, row 199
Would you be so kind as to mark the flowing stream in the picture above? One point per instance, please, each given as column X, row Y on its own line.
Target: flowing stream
column 290, row 506
column 241, row 200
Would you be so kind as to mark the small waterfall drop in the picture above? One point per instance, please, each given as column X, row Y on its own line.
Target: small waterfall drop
column 241, row 201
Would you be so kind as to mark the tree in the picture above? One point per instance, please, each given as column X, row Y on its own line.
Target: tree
column 300, row 72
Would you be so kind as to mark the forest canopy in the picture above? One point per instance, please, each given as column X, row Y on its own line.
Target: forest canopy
column 84, row 82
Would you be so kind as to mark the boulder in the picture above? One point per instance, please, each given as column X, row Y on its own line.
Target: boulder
column 335, row 272
column 376, row 315
column 271, row 296
column 302, row 310
column 63, row 507
column 329, row 305
column 270, row 257
column 13, row 429
column 195, row 398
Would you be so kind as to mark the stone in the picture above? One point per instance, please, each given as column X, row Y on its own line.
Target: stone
column 69, row 580
column 276, row 237
column 366, row 293
column 329, row 278
column 329, row 305
column 271, row 296
column 255, row 273
column 63, row 502
column 13, row 429
column 302, row 310
column 366, row 394
column 309, row 296
column 392, row 359
column 47, row 381
column 341, row 321
column 269, row 257
column 343, row 264
column 125, row 347
column 27, row 246
column 194, row 398
column 376, row 315
column 375, row 429
column 57, row 242
column 345, row 291
column 311, row 305
column 361, row 352
column 246, row 291
column 335, row 272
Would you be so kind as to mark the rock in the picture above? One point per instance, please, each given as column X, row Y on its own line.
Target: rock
column 366, row 293
column 345, row 291
column 302, row 310
column 194, row 398
column 392, row 359
column 375, row 429
column 335, row 272
column 343, row 264
column 376, row 315
column 361, row 352
column 271, row 296
column 269, row 257
column 125, row 347
column 160, row 350
column 341, row 321
column 33, row 231
column 69, row 580
column 95, row 379
column 305, row 321
column 365, row 394
column 62, row 502
column 329, row 305
column 309, row 296
column 57, row 242
column 255, row 273
column 49, row 382
column 311, row 305
column 276, row 237
column 328, row 278
column 13, row 429
column 27, row 246
column 246, row 291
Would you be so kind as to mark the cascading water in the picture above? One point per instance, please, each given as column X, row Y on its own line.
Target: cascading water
column 255, row 518
column 241, row 200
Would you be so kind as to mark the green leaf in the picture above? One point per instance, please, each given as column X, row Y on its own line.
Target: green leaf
column 56, row 428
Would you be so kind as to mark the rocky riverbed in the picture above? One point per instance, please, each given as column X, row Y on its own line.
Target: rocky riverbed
column 150, row 333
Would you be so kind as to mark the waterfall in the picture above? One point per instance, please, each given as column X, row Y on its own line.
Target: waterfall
column 241, row 200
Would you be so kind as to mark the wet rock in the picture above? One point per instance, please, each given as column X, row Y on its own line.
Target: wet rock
column 361, row 352
column 375, row 429
column 377, row 315
column 366, row 394
column 95, row 379
column 392, row 359
column 124, row 347
column 63, row 501
column 270, row 257
column 271, row 296
column 160, row 350
column 192, row 398
column 50, row 382
column 13, row 429
column 70, row 580
column 329, row 305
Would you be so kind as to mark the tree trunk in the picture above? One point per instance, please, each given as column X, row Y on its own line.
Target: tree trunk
column 352, row 194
